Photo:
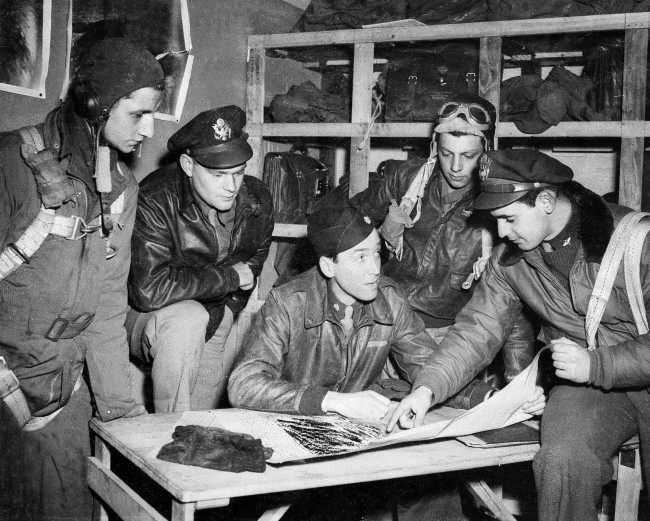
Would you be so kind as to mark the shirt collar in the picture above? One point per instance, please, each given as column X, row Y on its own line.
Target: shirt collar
column 376, row 311
column 568, row 236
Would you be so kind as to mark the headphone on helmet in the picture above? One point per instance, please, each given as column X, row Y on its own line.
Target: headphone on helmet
column 87, row 103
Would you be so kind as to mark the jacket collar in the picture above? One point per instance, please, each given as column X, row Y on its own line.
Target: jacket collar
column 596, row 226
column 377, row 311
column 246, row 202
column 71, row 137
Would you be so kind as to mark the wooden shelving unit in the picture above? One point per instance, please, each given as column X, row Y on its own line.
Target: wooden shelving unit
column 631, row 130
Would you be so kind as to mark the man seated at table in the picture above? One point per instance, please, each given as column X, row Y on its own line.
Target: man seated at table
column 559, row 232
column 322, row 339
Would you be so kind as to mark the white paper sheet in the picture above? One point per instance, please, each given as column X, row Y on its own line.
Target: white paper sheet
column 501, row 410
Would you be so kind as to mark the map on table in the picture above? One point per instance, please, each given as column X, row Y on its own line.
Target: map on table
column 296, row 437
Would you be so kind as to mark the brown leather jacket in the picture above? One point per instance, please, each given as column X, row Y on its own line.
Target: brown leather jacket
column 175, row 247
column 292, row 354
column 513, row 277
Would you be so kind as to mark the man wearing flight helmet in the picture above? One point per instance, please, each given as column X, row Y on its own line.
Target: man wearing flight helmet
column 439, row 247
column 66, row 214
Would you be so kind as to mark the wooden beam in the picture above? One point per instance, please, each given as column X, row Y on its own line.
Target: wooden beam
column 577, row 24
column 575, row 129
column 489, row 78
column 275, row 513
column 633, row 108
column 124, row 501
column 182, row 511
column 103, row 455
column 255, row 70
column 423, row 130
column 486, row 497
column 362, row 83
column 628, row 486
column 289, row 230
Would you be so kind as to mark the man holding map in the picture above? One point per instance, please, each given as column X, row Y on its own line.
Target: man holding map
column 559, row 232
column 322, row 339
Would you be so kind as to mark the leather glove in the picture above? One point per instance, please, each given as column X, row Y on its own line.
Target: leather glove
column 215, row 448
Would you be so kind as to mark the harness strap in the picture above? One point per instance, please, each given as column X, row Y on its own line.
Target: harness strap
column 12, row 395
column 45, row 223
column 11, row 258
column 627, row 240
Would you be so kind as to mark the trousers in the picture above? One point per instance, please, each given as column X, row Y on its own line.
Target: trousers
column 582, row 428
column 43, row 472
column 187, row 372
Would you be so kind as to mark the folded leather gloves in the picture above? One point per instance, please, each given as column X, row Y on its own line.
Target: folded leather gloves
column 214, row 448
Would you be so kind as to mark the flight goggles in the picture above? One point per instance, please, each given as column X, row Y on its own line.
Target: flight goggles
column 473, row 113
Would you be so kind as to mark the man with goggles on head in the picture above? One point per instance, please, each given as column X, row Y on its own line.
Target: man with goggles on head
column 439, row 248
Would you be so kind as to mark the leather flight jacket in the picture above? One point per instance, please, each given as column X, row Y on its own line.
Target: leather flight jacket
column 175, row 247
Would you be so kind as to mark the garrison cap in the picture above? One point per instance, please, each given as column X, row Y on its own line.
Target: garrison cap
column 214, row 138
column 506, row 176
column 334, row 226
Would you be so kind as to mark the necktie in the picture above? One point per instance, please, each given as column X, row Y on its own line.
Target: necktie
column 346, row 321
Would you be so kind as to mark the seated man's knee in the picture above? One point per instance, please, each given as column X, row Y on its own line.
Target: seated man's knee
column 570, row 458
column 176, row 326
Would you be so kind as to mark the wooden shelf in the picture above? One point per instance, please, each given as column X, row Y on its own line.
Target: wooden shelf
column 614, row 129
column 632, row 130
column 577, row 24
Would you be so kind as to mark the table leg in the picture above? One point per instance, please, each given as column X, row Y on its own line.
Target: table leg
column 104, row 455
column 486, row 496
column 182, row 511
column 274, row 514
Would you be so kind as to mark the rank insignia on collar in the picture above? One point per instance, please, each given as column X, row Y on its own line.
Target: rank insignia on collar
column 366, row 219
column 222, row 130
column 484, row 167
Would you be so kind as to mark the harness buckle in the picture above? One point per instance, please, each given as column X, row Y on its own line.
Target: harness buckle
column 79, row 228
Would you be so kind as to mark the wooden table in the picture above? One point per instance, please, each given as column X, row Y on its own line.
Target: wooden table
column 194, row 488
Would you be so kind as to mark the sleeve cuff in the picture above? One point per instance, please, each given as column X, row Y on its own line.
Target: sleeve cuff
column 601, row 368
column 312, row 400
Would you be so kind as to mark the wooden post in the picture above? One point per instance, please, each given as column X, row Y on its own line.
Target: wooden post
column 255, row 70
column 362, row 83
column 182, row 511
column 489, row 77
column 633, row 124
column 104, row 456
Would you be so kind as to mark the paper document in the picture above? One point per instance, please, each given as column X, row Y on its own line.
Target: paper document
column 294, row 437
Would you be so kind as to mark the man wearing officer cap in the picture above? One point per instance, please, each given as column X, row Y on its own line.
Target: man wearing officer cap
column 321, row 340
column 202, row 233
column 557, row 232
column 63, row 346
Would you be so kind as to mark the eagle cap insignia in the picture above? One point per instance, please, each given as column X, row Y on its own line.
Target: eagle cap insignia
column 366, row 219
column 484, row 167
column 222, row 130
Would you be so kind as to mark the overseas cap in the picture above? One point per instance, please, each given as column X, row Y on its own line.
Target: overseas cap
column 506, row 176
column 334, row 226
column 214, row 138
